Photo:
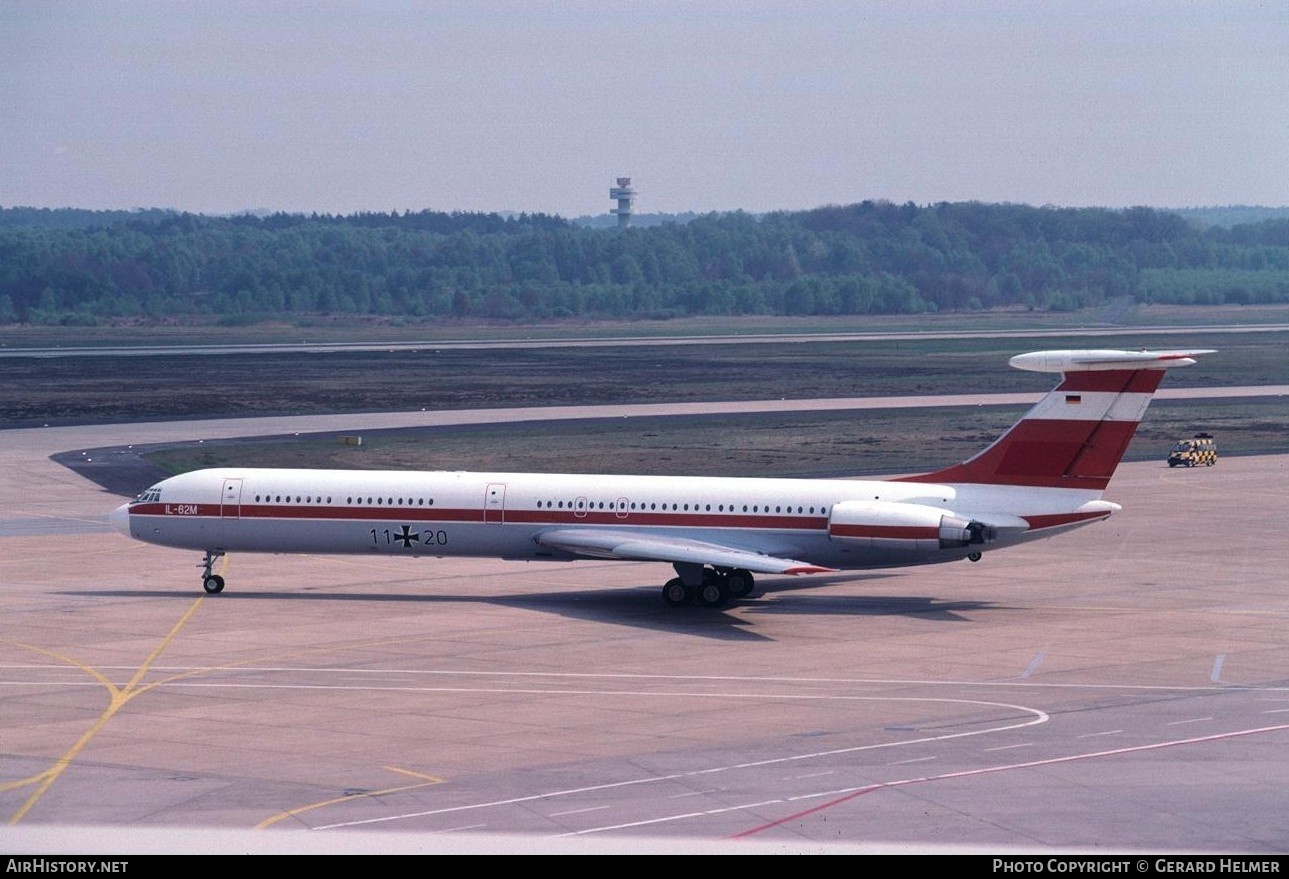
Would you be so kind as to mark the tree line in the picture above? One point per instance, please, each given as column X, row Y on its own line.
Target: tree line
column 876, row 257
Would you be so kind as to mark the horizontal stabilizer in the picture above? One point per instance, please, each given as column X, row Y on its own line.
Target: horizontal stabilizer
column 1099, row 359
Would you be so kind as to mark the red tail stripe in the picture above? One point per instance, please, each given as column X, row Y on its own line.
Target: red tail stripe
column 1049, row 453
column 1132, row 381
column 1055, row 452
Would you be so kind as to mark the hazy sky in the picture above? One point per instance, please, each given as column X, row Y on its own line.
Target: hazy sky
column 537, row 105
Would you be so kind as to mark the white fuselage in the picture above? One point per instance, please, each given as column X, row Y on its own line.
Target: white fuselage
column 505, row 514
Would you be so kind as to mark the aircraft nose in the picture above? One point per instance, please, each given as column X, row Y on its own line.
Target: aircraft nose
column 120, row 519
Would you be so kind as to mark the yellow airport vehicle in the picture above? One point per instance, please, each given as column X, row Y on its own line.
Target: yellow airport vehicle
column 1199, row 451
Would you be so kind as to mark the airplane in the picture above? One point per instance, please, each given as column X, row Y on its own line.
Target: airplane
column 1043, row 477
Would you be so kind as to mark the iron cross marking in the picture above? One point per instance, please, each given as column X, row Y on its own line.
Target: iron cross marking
column 407, row 537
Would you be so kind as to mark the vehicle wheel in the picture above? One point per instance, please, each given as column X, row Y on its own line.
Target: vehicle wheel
column 740, row 582
column 213, row 584
column 676, row 593
column 1172, row 463
column 715, row 592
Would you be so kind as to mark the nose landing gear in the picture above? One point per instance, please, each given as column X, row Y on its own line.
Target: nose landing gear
column 210, row 581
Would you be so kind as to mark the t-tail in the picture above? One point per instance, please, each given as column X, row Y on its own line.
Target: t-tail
column 1075, row 436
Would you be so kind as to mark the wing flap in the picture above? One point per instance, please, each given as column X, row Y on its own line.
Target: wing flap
column 632, row 546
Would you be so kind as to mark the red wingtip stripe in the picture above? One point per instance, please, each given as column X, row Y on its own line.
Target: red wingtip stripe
column 810, row 569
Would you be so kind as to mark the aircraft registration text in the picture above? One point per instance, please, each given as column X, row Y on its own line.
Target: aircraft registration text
column 407, row 537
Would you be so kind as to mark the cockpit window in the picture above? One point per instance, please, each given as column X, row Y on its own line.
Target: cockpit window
column 152, row 495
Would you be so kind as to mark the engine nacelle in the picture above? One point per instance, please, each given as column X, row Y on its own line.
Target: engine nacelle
column 908, row 527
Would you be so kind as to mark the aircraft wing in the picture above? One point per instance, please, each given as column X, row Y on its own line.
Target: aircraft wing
column 635, row 546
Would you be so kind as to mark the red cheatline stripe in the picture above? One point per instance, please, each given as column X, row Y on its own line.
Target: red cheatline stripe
column 551, row 517
column 261, row 513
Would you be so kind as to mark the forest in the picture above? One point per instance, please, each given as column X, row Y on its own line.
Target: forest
column 79, row 267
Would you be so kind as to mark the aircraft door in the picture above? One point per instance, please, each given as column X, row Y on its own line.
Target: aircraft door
column 230, row 503
column 622, row 508
column 494, row 502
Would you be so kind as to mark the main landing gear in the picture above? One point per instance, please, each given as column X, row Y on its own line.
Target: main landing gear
column 211, row 582
column 708, row 587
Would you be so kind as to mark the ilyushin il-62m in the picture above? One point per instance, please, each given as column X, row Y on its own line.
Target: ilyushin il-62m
column 1044, row 476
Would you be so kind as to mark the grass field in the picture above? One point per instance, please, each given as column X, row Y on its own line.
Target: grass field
column 815, row 444
column 96, row 389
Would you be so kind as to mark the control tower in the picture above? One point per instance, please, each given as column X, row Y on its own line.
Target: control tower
column 624, row 194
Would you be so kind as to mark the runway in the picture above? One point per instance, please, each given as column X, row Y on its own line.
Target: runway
column 1124, row 688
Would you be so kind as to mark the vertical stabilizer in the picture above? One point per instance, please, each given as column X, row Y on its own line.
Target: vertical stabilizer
column 1075, row 436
